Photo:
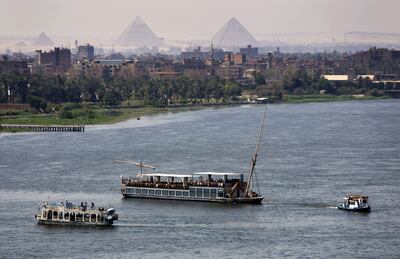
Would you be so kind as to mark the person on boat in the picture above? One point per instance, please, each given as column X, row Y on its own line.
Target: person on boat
column 92, row 205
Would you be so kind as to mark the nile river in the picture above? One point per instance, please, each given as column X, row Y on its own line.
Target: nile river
column 311, row 156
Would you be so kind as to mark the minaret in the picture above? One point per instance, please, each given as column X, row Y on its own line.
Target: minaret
column 211, row 60
column 212, row 53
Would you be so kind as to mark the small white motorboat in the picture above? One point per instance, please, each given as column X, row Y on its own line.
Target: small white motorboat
column 355, row 203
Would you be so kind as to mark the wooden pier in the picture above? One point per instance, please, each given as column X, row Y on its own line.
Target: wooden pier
column 77, row 128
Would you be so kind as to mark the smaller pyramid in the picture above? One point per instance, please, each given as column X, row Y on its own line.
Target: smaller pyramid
column 43, row 40
column 233, row 34
column 20, row 44
column 138, row 34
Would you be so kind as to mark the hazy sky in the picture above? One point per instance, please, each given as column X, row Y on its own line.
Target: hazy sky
column 195, row 19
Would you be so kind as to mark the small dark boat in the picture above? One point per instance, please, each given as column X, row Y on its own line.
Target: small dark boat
column 355, row 203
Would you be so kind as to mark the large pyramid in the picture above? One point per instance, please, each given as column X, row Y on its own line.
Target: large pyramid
column 233, row 34
column 43, row 40
column 138, row 34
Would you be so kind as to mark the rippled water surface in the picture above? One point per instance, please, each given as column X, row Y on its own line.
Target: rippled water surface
column 311, row 155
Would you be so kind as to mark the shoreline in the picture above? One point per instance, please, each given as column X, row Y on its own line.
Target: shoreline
column 330, row 98
column 104, row 116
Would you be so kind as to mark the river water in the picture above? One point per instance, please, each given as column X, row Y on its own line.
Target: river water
column 311, row 156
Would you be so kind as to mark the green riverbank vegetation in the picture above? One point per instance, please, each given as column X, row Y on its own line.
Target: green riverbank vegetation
column 79, row 99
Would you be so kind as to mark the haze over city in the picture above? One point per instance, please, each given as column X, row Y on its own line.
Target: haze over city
column 195, row 20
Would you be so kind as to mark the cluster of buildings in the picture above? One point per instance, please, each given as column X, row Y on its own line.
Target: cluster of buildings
column 234, row 55
column 376, row 65
column 241, row 65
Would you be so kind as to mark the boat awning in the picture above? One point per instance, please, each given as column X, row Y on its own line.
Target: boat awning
column 187, row 175
column 218, row 173
column 166, row 175
column 355, row 197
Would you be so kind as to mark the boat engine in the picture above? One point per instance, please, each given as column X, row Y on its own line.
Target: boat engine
column 111, row 215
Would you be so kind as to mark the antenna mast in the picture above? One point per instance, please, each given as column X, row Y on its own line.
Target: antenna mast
column 254, row 158
column 138, row 164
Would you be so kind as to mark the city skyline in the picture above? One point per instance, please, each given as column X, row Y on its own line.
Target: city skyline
column 72, row 18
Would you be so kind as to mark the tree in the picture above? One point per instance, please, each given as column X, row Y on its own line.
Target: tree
column 214, row 88
column 48, row 86
column 65, row 114
column 38, row 103
column 375, row 92
column 92, row 88
column 232, row 89
column 111, row 98
column 259, row 78
column 327, row 86
column 72, row 91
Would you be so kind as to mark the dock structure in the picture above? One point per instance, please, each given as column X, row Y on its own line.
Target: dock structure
column 76, row 128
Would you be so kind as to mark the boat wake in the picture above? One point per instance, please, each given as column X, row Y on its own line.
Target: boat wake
column 128, row 225
column 304, row 204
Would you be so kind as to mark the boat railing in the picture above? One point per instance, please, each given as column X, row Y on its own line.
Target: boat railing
column 75, row 208
column 178, row 185
column 164, row 185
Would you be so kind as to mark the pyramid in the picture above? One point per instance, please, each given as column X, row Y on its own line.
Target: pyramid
column 20, row 44
column 233, row 34
column 43, row 40
column 138, row 34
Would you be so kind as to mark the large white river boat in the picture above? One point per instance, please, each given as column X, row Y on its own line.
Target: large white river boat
column 201, row 186
column 69, row 214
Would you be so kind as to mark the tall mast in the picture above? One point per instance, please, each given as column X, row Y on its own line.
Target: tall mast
column 138, row 164
column 254, row 158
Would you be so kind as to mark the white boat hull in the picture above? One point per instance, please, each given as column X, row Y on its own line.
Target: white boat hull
column 73, row 223
column 353, row 208
column 252, row 200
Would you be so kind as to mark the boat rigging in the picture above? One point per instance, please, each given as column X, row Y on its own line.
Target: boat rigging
column 200, row 186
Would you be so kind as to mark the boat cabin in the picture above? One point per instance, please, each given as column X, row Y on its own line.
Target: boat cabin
column 355, row 203
column 70, row 214
column 199, row 186
column 356, row 200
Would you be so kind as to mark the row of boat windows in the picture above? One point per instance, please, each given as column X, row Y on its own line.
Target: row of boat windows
column 55, row 215
column 193, row 192
column 352, row 202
